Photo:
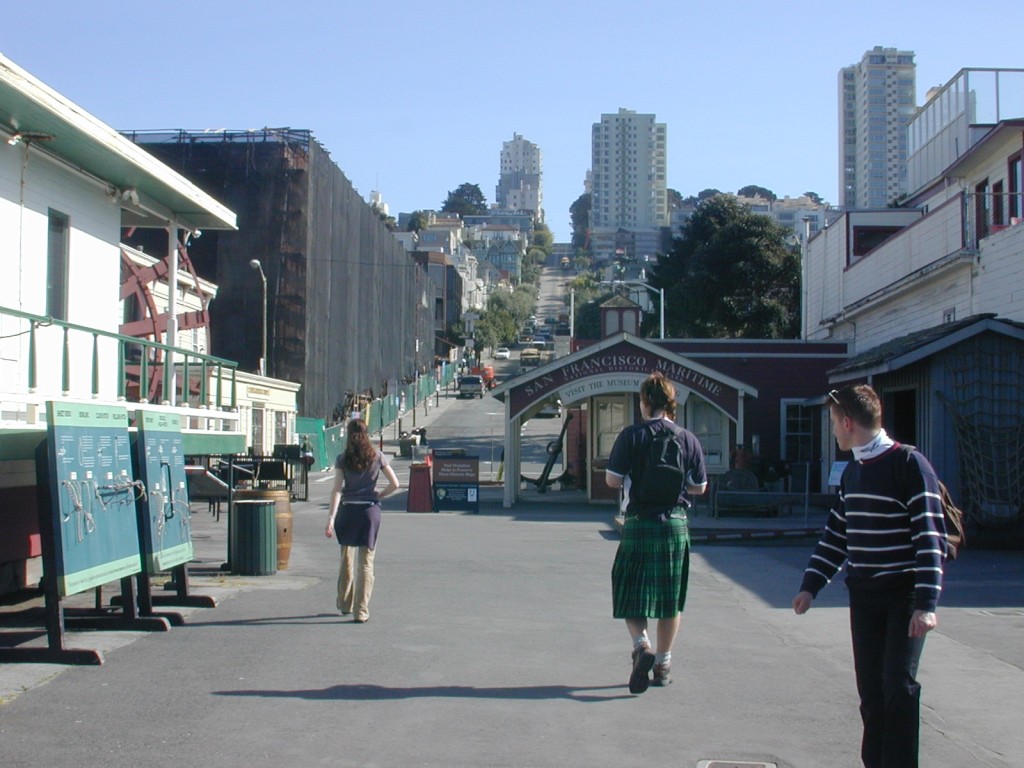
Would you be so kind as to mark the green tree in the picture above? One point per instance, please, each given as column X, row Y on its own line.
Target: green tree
column 752, row 190
column 506, row 313
column 467, row 200
column 675, row 200
column 493, row 329
column 524, row 303
column 530, row 273
column 815, row 198
column 418, row 220
column 531, row 264
column 579, row 213
column 731, row 274
column 700, row 197
column 389, row 221
column 542, row 238
column 581, row 260
column 588, row 294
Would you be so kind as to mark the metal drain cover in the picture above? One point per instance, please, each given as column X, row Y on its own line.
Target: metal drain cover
column 734, row 764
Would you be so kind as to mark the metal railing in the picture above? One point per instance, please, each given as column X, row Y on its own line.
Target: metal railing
column 139, row 367
column 986, row 213
column 388, row 411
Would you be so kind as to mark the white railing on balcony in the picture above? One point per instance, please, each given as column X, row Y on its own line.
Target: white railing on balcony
column 42, row 359
column 928, row 243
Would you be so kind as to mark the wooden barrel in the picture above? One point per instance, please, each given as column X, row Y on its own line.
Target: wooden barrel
column 282, row 514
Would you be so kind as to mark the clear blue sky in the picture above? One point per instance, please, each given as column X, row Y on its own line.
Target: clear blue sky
column 415, row 97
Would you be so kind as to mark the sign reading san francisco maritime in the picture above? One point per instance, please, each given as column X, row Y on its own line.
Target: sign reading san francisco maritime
column 620, row 368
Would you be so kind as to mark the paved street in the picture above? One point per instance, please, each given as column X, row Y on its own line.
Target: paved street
column 490, row 643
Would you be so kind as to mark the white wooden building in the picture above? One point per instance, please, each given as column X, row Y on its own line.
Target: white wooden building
column 69, row 184
column 930, row 294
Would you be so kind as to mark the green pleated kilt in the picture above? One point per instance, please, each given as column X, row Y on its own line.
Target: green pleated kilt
column 651, row 568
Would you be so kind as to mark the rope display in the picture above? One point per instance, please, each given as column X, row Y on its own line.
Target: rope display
column 86, row 495
column 988, row 416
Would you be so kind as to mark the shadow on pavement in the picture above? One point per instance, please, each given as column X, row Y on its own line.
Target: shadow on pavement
column 382, row 693
column 977, row 579
column 317, row 618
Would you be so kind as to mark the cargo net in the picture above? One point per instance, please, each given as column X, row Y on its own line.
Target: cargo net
column 988, row 415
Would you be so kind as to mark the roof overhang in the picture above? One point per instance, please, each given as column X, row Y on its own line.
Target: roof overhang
column 851, row 371
column 150, row 193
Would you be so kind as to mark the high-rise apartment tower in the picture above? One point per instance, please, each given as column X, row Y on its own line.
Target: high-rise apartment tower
column 628, row 162
column 519, row 185
column 877, row 99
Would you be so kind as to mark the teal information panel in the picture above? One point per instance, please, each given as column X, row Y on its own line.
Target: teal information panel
column 93, row 495
column 165, row 523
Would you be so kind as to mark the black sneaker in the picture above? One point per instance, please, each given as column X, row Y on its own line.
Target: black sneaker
column 662, row 675
column 643, row 661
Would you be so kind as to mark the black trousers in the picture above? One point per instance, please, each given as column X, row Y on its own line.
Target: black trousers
column 885, row 660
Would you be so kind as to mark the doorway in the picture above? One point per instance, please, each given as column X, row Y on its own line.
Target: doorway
column 610, row 414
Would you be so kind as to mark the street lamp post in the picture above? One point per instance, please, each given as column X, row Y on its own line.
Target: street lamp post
column 255, row 264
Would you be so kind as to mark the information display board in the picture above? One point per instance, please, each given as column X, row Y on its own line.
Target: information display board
column 92, row 495
column 165, row 522
column 456, row 481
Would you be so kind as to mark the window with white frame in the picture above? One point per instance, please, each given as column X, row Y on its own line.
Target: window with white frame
column 257, row 431
column 711, row 427
column 798, row 430
column 610, row 418
column 280, row 427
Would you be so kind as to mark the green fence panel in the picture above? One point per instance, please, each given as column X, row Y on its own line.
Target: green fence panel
column 313, row 431
column 374, row 414
column 334, row 443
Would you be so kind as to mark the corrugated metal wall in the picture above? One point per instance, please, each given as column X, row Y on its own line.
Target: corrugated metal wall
column 365, row 309
column 345, row 302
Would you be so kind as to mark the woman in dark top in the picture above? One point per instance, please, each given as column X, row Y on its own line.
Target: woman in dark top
column 355, row 505
column 652, row 564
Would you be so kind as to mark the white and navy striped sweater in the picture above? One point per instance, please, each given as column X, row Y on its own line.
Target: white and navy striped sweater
column 887, row 525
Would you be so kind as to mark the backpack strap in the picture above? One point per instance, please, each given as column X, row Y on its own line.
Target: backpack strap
column 900, row 467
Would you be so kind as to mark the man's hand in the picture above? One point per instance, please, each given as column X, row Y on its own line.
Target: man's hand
column 802, row 602
column 921, row 623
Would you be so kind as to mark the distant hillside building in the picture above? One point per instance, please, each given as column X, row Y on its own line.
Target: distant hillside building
column 520, row 183
column 877, row 100
column 629, row 178
column 801, row 215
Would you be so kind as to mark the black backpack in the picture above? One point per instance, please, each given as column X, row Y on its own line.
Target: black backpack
column 661, row 480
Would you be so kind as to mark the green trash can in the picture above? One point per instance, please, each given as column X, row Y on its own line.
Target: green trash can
column 255, row 538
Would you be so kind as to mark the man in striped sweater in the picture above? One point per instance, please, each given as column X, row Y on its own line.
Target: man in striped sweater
column 888, row 529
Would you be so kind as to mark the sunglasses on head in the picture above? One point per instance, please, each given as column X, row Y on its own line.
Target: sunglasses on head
column 834, row 397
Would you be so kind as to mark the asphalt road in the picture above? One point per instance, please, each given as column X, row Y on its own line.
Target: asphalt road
column 490, row 643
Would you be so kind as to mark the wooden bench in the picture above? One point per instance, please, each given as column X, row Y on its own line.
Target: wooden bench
column 767, row 499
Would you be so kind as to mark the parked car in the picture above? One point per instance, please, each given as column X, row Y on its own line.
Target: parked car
column 502, row 353
column 471, row 386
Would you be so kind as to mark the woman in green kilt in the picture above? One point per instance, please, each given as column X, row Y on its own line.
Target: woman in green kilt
column 659, row 473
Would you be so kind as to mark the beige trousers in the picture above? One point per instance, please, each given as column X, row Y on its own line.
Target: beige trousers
column 355, row 581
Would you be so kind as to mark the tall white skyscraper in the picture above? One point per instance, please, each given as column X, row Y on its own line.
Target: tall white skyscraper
column 519, row 185
column 877, row 99
column 628, row 162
